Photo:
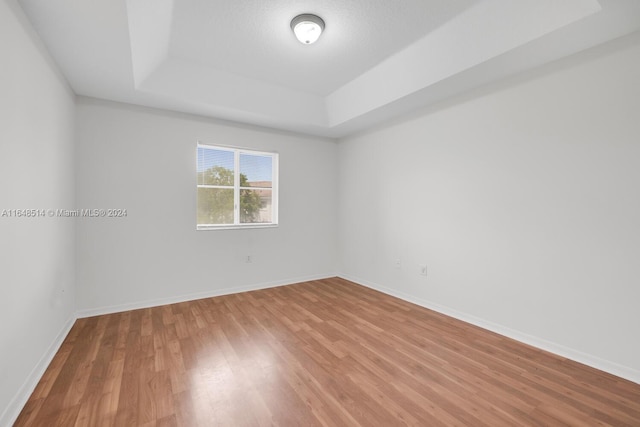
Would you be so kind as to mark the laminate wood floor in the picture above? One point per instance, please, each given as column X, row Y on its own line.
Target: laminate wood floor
column 319, row 353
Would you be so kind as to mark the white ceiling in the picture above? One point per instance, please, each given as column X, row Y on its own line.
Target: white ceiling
column 239, row 60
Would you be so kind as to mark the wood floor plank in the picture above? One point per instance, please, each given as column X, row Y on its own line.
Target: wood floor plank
column 319, row 353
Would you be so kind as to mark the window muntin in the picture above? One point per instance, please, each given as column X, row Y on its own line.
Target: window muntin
column 237, row 188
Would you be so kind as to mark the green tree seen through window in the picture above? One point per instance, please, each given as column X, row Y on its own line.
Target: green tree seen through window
column 215, row 205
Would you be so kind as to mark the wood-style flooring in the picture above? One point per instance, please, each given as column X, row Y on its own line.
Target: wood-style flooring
column 319, row 353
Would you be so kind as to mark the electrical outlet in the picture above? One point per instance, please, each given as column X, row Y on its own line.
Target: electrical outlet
column 398, row 264
column 248, row 259
column 423, row 270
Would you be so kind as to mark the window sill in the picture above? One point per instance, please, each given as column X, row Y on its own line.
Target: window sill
column 234, row 227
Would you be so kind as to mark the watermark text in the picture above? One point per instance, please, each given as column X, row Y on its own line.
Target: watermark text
column 63, row 213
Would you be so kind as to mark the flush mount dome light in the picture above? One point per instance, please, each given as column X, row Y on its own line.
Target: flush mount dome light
column 307, row 27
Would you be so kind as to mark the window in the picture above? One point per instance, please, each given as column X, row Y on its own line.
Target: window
column 237, row 188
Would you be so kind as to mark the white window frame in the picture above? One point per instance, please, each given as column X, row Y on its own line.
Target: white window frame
column 236, row 188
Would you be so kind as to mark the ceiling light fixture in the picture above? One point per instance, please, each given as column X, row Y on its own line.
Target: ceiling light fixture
column 307, row 27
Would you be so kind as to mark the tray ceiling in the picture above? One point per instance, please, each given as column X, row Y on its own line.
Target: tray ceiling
column 238, row 60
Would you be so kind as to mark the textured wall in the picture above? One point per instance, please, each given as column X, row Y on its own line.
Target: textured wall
column 144, row 161
column 37, row 255
column 523, row 201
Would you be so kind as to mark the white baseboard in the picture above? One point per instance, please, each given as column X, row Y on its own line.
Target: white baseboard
column 195, row 296
column 560, row 350
column 12, row 411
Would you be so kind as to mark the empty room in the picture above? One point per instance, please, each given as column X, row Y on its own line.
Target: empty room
column 320, row 213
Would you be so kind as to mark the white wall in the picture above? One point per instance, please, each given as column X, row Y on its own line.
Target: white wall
column 143, row 160
column 37, row 256
column 524, row 201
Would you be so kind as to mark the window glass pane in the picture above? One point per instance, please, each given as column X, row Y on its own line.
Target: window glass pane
column 236, row 187
column 256, row 170
column 256, row 206
column 215, row 167
column 215, row 206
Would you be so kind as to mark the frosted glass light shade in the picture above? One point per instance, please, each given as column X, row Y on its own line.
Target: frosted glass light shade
column 307, row 27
